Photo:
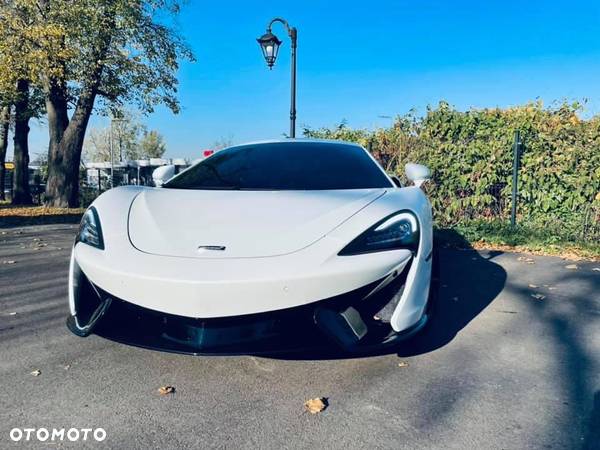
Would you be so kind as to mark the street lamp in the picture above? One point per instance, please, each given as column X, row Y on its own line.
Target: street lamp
column 269, row 44
column 112, row 158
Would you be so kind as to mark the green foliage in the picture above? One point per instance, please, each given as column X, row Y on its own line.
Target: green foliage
column 341, row 132
column 122, row 134
column 41, row 160
column 152, row 145
column 84, row 55
column 127, row 50
column 129, row 137
column 470, row 155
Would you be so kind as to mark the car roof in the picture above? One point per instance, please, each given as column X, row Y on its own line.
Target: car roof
column 297, row 140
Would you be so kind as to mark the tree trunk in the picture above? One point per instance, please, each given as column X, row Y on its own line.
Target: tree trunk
column 58, row 120
column 64, row 151
column 4, row 122
column 21, row 194
column 66, row 136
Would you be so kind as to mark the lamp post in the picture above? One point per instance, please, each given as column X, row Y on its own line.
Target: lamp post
column 112, row 158
column 269, row 44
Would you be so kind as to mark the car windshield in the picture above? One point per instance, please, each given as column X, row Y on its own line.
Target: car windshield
column 285, row 166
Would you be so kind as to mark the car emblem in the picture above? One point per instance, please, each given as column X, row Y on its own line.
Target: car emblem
column 211, row 247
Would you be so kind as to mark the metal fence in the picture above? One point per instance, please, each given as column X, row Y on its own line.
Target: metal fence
column 36, row 187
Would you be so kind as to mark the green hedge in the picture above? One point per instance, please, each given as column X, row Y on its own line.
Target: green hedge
column 470, row 155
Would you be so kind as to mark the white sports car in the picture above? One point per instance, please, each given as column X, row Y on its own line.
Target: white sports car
column 260, row 247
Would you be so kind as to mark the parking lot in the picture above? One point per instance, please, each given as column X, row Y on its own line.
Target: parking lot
column 511, row 360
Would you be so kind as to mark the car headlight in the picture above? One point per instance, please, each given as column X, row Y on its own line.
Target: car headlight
column 90, row 231
column 400, row 230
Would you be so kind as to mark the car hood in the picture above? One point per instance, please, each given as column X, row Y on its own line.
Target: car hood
column 238, row 224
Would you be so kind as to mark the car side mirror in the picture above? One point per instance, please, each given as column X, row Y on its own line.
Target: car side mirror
column 162, row 174
column 417, row 173
column 395, row 179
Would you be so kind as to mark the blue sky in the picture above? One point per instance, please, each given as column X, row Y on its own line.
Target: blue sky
column 360, row 60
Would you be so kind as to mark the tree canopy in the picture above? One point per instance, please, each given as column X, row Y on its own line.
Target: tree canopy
column 78, row 51
column 119, row 45
column 152, row 145
column 129, row 138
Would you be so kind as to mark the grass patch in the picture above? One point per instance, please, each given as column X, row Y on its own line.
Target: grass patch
column 522, row 238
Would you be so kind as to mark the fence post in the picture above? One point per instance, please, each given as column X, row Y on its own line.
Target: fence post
column 515, row 177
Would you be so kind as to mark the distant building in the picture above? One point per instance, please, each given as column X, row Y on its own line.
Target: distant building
column 134, row 172
column 128, row 172
column 97, row 174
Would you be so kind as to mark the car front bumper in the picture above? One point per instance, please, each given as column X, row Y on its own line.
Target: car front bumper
column 355, row 321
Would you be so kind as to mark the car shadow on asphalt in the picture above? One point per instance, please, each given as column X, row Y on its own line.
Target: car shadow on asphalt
column 568, row 320
column 465, row 284
column 469, row 282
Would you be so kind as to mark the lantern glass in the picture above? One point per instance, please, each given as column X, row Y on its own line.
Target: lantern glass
column 269, row 44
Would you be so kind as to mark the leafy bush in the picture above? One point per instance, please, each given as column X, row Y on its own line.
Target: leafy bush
column 470, row 155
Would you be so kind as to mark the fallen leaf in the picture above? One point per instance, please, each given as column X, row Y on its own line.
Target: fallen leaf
column 36, row 372
column 67, row 367
column 9, row 262
column 164, row 390
column 315, row 405
column 533, row 286
column 402, row 364
column 38, row 211
column 571, row 266
column 12, row 313
column 526, row 259
column 538, row 296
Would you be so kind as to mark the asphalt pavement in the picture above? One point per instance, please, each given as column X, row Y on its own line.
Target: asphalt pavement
column 511, row 360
